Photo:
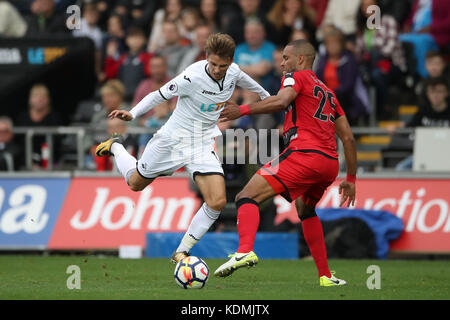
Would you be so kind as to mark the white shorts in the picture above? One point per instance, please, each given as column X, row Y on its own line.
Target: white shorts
column 163, row 156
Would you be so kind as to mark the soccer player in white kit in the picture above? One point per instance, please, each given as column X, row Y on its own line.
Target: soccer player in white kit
column 187, row 138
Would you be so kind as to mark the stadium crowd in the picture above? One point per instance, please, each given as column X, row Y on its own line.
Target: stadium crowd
column 401, row 55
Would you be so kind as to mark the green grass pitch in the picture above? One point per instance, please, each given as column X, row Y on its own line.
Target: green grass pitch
column 45, row 277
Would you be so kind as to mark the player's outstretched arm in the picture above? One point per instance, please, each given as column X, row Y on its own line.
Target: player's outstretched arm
column 147, row 103
column 347, row 187
column 246, row 82
column 269, row 105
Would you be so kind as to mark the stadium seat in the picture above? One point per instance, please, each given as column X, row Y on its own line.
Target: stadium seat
column 85, row 110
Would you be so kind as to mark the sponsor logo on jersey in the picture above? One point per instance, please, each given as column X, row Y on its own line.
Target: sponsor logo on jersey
column 212, row 107
column 209, row 92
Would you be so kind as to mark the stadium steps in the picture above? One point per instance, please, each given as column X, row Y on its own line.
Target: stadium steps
column 406, row 112
column 369, row 159
column 390, row 123
column 373, row 142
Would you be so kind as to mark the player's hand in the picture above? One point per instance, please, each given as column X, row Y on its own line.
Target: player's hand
column 347, row 189
column 121, row 114
column 230, row 112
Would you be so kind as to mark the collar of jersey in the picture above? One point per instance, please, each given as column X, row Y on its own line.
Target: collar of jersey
column 218, row 83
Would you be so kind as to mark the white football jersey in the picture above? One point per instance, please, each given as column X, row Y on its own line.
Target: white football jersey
column 201, row 99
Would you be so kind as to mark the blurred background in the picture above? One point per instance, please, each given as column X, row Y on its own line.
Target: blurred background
column 65, row 65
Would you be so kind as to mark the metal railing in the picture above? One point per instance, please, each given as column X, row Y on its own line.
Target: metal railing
column 80, row 133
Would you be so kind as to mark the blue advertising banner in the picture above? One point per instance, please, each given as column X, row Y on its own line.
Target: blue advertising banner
column 29, row 209
column 268, row 245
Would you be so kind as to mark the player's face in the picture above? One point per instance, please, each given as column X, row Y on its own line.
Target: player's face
column 217, row 66
column 289, row 62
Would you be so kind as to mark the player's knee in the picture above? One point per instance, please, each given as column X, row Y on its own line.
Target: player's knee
column 136, row 187
column 217, row 203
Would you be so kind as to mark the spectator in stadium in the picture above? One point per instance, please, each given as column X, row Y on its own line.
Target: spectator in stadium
column 419, row 27
column 436, row 65
column 112, row 94
column 341, row 14
column 40, row 114
column 318, row 9
column 440, row 24
column 12, row 24
column 210, row 15
column 399, row 10
column 132, row 67
column 174, row 46
column 234, row 22
column 196, row 51
column 436, row 68
column 142, row 12
column 11, row 154
column 115, row 33
column 130, row 143
column 159, row 117
column 88, row 25
column 338, row 69
column 286, row 16
column 90, row 29
column 379, row 53
column 121, row 9
column 44, row 20
column 274, row 82
column 435, row 112
column 171, row 12
column 107, row 9
column 159, row 77
column 254, row 56
column 104, row 8
column 190, row 19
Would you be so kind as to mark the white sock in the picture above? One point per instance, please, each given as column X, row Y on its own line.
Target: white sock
column 125, row 162
column 200, row 224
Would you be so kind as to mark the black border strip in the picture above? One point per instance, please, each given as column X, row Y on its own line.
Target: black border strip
column 207, row 174
column 242, row 201
column 137, row 169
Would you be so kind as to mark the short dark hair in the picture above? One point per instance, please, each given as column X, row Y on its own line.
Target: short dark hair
column 221, row 44
column 135, row 31
column 432, row 82
column 433, row 53
column 159, row 56
column 304, row 48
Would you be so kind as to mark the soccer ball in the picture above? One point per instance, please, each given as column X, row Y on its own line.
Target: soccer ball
column 191, row 273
